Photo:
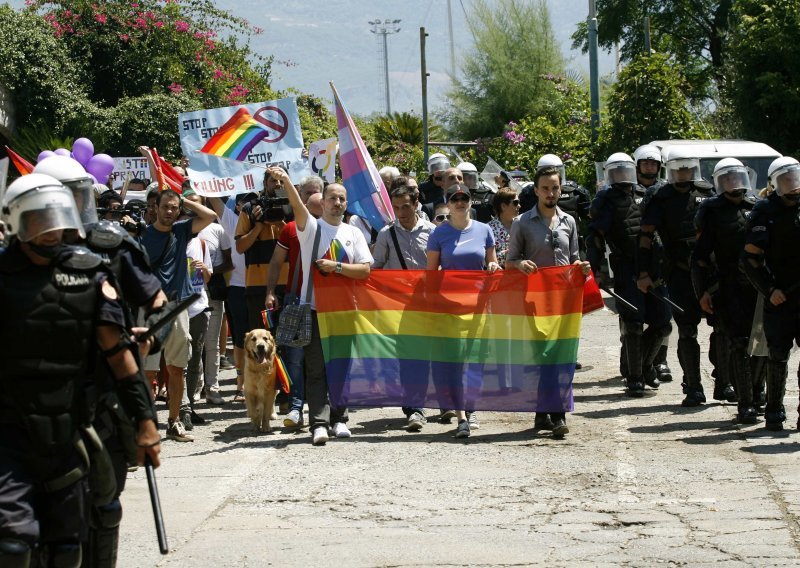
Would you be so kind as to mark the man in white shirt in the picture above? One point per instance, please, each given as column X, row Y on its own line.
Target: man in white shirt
column 355, row 264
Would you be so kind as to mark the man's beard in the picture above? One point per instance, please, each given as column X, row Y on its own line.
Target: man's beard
column 648, row 177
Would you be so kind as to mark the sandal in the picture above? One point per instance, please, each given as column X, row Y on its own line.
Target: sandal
column 239, row 396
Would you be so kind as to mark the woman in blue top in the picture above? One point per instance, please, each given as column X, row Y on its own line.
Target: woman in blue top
column 461, row 243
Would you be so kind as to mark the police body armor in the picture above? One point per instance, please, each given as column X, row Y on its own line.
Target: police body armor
column 483, row 203
column 622, row 237
column 574, row 200
column 781, row 256
column 677, row 232
column 730, row 222
column 47, row 343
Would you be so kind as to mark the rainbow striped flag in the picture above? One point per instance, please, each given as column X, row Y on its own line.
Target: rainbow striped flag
column 366, row 195
column 452, row 339
column 236, row 138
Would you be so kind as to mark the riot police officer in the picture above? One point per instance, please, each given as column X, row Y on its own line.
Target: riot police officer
column 60, row 310
column 140, row 288
column 482, row 193
column 615, row 221
column 648, row 166
column 432, row 189
column 721, row 288
column 770, row 261
column 671, row 212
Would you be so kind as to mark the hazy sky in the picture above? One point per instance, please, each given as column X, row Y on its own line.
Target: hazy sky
column 316, row 41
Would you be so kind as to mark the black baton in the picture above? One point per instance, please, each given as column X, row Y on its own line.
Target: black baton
column 155, row 501
column 621, row 300
column 664, row 299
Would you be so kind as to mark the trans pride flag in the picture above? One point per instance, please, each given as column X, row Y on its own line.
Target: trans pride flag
column 366, row 195
column 452, row 339
column 236, row 138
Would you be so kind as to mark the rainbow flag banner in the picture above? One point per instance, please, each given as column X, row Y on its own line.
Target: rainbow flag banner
column 462, row 340
column 236, row 138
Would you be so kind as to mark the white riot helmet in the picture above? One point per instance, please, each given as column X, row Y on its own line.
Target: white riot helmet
column 36, row 204
column 552, row 161
column 731, row 176
column 470, row 173
column 437, row 162
column 620, row 169
column 681, row 159
column 70, row 173
column 647, row 152
column 784, row 175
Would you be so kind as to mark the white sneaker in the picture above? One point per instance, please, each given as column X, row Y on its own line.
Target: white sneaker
column 213, row 397
column 320, row 436
column 340, row 430
column 176, row 431
column 293, row 420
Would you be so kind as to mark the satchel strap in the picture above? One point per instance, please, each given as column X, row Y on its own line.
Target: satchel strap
column 397, row 248
column 317, row 237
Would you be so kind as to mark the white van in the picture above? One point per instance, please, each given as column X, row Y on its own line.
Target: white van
column 756, row 155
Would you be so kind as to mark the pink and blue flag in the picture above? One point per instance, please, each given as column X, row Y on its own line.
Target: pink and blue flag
column 366, row 195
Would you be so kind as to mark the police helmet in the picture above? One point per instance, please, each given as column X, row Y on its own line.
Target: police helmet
column 784, row 175
column 70, row 173
column 36, row 204
column 437, row 162
column 470, row 173
column 731, row 176
column 682, row 164
column 647, row 152
column 620, row 169
column 552, row 161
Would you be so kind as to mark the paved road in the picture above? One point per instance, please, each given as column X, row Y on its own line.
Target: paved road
column 637, row 482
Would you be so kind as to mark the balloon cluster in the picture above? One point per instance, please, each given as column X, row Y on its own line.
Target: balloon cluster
column 98, row 166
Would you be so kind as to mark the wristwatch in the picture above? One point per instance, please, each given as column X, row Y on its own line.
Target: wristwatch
column 338, row 268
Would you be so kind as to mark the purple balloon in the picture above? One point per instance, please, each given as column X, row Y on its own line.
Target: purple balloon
column 44, row 154
column 94, row 179
column 100, row 166
column 62, row 152
column 83, row 150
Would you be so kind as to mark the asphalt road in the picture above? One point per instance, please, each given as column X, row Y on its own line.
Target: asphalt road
column 636, row 482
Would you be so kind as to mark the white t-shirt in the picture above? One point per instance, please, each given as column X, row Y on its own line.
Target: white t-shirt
column 363, row 226
column 350, row 240
column 196, row 251
column 216, row 241
column 228, row 222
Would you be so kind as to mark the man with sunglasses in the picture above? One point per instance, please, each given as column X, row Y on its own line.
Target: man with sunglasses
column 545, row 236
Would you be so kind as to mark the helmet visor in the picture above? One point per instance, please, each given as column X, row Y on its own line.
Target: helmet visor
column 438, row 165
column 83, row 192
column 684, row 170
column 788, row 181
column 53, row 216
column 732, row 179
column 471, row 179
column 621, row 172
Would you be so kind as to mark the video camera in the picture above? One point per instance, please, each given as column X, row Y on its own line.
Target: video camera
column 134, row 209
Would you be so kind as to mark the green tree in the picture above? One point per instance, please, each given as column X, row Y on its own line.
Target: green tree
column 693, row 32
column 648, row 102
column 764, row 67
column 514, row 44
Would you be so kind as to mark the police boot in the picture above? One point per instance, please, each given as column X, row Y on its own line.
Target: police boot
column 652, row 339
column 623, row 355
column 689, row 357
column 14, row 553
column 758, row 366
column 633, row 349
column 100, row 551
column 775, row 414
column 740, row 367
column 723, row 374
column 662, row 369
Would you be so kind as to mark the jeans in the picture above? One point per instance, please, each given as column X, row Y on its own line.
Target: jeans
column 198, row 326
column 211, row 345
column 294, row 358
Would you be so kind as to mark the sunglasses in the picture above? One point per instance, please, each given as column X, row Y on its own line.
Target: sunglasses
column 459, row 197
column 515, row 202
column 441, row 218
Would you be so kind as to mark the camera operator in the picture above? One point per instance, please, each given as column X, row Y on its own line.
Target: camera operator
column 257, row 232
column 110, row 208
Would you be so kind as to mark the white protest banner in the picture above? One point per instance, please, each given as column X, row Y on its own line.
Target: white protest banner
column 281, row 144
column 322, row 158
column 134, row 167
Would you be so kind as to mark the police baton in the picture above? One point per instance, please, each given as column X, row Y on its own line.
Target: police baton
column 155, row 501
column 664, row 299
column 621, row 300
column 170, row 313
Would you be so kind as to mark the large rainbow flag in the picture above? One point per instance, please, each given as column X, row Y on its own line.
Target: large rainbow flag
column 452, row 339
column 236, row 137
column 366, row 195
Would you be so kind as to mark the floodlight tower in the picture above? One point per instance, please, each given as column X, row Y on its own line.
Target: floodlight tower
column 385, row 28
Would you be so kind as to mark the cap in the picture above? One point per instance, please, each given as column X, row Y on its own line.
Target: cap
column 457, row 188
column 245, row 196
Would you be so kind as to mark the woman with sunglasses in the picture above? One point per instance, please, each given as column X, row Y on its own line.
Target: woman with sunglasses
column 461, row 243
column 506, row 207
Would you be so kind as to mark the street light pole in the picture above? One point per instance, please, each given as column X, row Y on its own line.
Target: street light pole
column 385, row 28
column 594, row 79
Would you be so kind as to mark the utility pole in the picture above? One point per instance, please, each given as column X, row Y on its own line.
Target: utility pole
column 385, row 28
column 647, row 48
column 452, row 42
column 594, row 78
column 424, row 72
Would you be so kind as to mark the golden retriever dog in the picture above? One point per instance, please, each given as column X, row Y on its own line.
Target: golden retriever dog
column 259, row 377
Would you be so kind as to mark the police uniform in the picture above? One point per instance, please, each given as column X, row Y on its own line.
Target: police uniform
column 721, row 225
column 672, row 213
column 774, row 227
column 48, row 349
column 128, row 261
column 616, row 218
column 483, row 202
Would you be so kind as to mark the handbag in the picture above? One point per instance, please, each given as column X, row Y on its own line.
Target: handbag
column 294, row 328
